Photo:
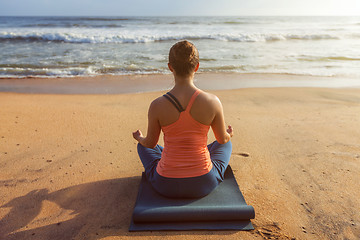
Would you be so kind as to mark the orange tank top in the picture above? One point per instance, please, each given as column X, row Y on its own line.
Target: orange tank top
column 185, row 152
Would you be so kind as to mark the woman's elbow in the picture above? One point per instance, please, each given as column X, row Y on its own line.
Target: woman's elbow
column 223, row 140
column 149, row 144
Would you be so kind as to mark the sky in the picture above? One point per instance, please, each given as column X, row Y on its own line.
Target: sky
column 179, row 7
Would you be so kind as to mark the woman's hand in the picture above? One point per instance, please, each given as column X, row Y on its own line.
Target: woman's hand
column 230, row 130
column 138, row 135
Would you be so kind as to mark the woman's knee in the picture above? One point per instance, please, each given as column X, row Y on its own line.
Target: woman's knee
column 228, row 145
column 139, row 147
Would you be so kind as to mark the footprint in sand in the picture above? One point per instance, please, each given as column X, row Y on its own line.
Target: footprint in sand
column 272, row 231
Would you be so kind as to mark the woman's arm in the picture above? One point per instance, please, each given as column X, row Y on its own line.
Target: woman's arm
column 153, row 131
column 222, row 134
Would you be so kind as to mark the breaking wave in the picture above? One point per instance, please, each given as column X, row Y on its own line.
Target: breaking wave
column 144, row 38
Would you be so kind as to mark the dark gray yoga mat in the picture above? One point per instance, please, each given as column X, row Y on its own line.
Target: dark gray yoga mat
column 223, row 209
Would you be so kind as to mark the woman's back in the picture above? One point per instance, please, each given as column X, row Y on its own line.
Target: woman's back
column 206, row 109
column 185, row 151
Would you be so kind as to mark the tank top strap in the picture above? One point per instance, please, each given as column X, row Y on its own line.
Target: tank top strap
column 192, row 99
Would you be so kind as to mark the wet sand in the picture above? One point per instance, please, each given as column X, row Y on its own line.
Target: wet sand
column 109, row 84
column 69, row 167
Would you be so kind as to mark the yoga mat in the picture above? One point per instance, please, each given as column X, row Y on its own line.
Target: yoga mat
column 223, row 209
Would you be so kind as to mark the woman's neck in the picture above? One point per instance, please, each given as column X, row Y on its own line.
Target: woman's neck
column 186, row 82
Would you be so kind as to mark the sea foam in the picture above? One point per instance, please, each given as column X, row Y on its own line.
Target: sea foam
column 145, row 37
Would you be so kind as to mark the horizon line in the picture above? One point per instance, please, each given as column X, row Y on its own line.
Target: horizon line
column 80, row 15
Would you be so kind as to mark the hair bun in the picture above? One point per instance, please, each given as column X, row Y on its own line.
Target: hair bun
column 183, row 57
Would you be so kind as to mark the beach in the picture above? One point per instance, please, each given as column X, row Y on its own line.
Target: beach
column 70, row 170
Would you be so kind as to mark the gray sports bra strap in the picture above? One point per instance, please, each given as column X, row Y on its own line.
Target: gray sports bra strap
column 174, row 101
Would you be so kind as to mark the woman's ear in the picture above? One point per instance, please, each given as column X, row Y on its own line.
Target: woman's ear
column 197, row 67
column 170, row 67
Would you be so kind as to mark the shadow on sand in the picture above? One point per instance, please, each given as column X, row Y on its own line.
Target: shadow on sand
column 95, row 210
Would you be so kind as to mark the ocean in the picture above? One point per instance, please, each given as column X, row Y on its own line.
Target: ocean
column 91, row 46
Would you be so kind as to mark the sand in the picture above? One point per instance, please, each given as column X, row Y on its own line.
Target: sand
column 110, row 84
column 69, row 167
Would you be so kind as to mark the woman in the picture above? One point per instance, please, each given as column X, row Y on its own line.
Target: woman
column 186, row 167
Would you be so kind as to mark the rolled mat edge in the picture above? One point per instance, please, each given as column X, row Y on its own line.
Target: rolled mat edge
column 193, row 214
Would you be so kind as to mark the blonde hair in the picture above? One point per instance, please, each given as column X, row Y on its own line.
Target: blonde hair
column 183, row 58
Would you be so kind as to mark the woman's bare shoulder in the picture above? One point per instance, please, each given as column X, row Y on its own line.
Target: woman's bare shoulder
column 209, row 98
column 158, row 103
